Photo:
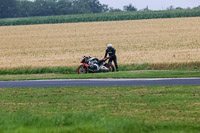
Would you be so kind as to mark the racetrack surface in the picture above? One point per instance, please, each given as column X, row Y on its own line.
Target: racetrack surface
column 99, row 82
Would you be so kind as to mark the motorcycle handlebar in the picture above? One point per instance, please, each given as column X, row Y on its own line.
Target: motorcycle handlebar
column 108, row 57
column 105, row 58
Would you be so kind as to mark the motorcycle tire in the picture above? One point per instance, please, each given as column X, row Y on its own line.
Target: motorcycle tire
column 110, row 66
column 82, row 69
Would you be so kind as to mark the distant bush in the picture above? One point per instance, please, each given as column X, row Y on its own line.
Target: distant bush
column 112, row 16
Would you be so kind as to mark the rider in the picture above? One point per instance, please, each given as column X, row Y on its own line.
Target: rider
column 111, row 51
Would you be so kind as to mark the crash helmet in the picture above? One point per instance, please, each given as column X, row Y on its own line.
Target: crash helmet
column 109, row 45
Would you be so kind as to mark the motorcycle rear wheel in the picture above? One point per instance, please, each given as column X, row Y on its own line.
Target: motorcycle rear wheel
column 82, row 69
column 110, row 66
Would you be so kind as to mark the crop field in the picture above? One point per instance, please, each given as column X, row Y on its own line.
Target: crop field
column 155, row 41
column 160, row 109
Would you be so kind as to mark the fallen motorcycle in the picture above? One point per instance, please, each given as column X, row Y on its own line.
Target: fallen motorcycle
column 94, row 65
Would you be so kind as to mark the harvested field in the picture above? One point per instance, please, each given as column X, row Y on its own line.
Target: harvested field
column 155, row 41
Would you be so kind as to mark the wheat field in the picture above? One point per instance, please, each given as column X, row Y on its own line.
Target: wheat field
column 154, row 41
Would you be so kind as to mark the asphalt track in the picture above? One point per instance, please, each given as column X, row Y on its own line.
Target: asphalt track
column 99, row 82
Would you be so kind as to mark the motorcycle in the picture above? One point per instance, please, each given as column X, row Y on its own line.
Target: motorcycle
column 94, row 65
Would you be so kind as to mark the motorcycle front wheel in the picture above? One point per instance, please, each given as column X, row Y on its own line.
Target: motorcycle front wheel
column 110, row 66
column 82, row 69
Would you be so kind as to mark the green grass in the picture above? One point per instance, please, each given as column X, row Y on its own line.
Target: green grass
column 116, row 16
column 128, row 71
column 122, row 74
column 192, row 66
column 27, row 70
column 156, row 109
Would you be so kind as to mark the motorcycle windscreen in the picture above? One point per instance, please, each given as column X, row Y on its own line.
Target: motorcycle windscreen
column 84, row 60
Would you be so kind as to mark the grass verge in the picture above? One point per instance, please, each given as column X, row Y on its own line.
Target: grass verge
column 129, row 71
column 122, row 74
column 192, row 66
column 160, row 109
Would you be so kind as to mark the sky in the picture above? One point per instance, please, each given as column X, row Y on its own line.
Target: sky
column 152, row 4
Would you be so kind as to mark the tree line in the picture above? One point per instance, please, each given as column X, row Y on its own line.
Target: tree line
column 25, row 8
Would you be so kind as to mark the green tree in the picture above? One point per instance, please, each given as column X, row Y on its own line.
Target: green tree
column 130, row 7
column 81, row 7
column 64, row 7
column 146, row 9
column 179, row 8
column 25, row 8
column 44, row 7
column 114, row 10
column 97, row 7
column 170, row 8
column 88, row 6
column 198, row 7
column 8, row 8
